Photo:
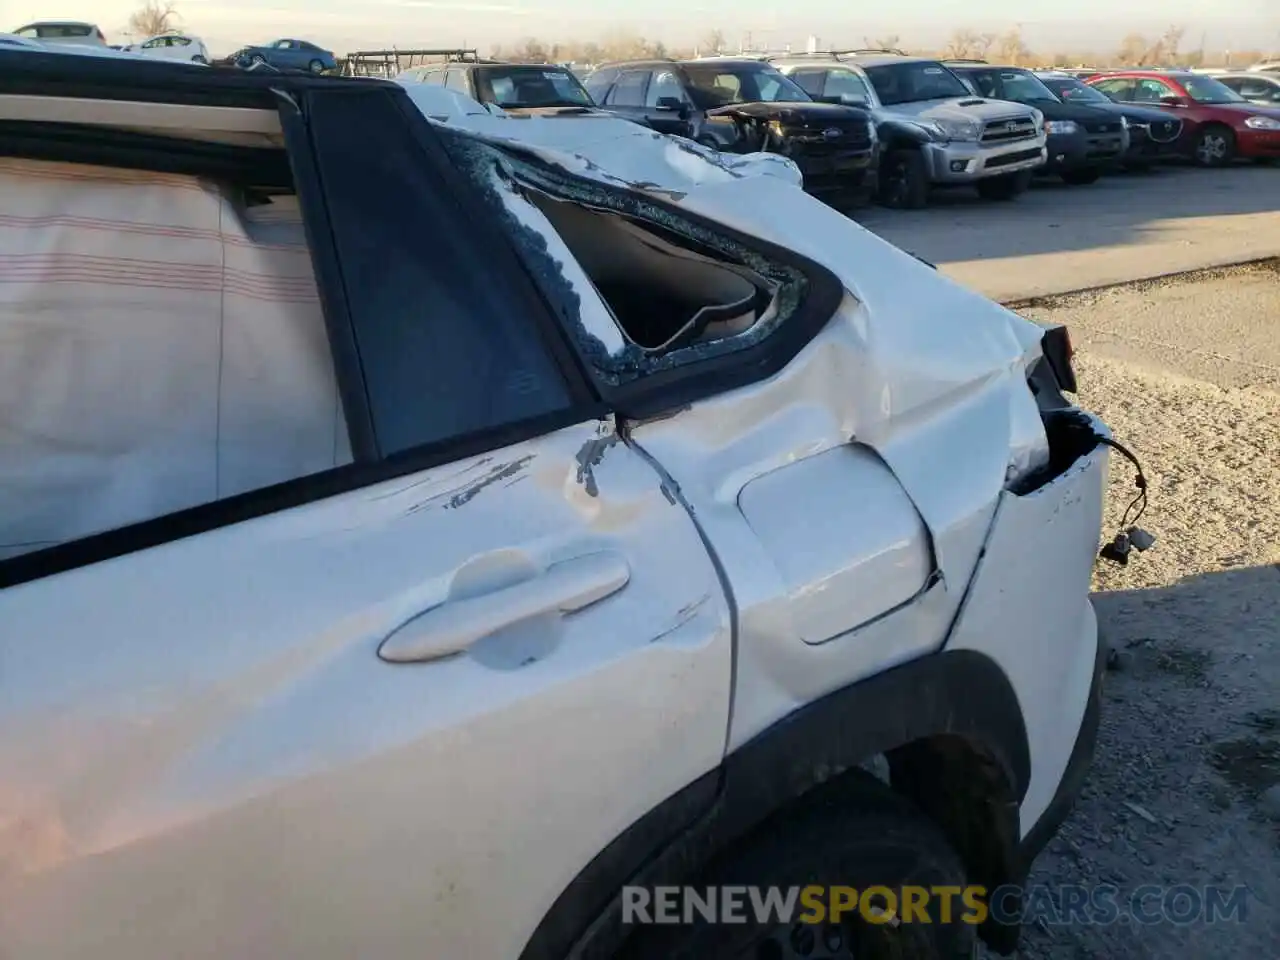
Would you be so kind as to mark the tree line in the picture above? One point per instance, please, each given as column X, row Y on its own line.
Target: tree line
column 1008, row 47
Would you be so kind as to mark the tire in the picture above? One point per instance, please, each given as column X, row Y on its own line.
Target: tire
column 904, row 180
column 1004, row 188
column 1079, row 178
column 854, row 833
column 1215, row 146
column 315, row 66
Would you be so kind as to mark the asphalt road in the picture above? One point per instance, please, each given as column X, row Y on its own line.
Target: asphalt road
column 1126, row 227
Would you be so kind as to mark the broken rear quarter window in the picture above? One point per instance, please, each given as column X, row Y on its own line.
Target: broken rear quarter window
column 678, row 291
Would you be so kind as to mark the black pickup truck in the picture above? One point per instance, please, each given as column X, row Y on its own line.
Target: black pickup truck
column 743, row 106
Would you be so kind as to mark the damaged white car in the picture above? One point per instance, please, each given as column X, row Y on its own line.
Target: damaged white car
column 420, row 544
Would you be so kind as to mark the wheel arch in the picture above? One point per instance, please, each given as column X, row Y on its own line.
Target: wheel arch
column 951, row 729
column 895, row 135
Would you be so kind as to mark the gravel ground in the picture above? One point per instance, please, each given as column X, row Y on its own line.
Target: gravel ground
column 1183, row 789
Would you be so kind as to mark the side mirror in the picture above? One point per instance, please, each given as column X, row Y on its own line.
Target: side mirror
column 1173, row 101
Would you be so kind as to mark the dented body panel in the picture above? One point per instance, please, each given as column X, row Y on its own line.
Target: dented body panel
column 178, row 759
column 402, row 719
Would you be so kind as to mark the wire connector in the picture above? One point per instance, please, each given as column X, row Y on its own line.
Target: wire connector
column 1131, row 537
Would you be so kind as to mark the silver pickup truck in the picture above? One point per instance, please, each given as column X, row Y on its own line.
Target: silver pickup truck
column 933, row 131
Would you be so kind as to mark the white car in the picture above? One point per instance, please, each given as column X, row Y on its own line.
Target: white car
column 417, row 543
column 172, row 46
column 73, row 32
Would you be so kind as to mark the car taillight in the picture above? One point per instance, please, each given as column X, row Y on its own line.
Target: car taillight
column 1058, row 353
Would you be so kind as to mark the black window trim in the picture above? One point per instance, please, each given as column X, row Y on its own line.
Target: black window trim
column 652, row 395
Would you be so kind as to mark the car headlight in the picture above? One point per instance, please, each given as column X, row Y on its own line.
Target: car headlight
column 1124, row 122
column 1060, row 126
column 1038, row 118
column 775, row 127
column 964, row 130
column 1262, row 123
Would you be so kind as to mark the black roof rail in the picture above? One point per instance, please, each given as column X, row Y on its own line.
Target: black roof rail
column 814, row 54
column 621, row 63
column 890, row 50
column 964, row 60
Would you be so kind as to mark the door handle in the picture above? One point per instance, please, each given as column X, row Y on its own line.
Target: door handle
column 451, row 627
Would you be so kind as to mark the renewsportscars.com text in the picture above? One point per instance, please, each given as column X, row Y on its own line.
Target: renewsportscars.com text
column 1062, row 904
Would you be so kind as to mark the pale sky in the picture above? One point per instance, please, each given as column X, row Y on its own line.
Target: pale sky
column 364, row 24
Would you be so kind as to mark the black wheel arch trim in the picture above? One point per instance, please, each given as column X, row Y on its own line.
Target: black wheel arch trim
column 955, row 693
column 895, row 133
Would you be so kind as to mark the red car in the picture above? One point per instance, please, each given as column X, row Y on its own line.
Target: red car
column 1218, row 125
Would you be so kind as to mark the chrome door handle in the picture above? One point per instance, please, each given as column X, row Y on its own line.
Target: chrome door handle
column 453, row 626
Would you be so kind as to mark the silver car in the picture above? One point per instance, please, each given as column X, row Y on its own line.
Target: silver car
column 933, row 131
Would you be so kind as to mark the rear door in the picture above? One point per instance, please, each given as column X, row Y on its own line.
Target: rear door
column 388, row 708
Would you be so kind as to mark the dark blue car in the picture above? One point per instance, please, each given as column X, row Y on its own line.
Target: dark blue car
column 287, row 55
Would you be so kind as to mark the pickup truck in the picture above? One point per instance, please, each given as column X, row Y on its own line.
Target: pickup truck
column 416, row 543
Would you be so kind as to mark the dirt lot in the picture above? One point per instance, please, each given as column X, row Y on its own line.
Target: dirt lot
column 1185, row 372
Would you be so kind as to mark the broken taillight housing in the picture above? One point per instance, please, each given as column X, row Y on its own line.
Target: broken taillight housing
column 1055, row 344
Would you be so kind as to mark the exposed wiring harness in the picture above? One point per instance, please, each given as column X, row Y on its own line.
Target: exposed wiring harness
column 1131, row 536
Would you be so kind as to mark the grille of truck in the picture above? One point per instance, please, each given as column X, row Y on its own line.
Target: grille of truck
column 1014, row 128
column 1009, row 158
column 812, row 138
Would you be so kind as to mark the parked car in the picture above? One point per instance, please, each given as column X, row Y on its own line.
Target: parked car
column 1261, row 88
column 517, row 88
column 172, row 46
column 622, row 147
column 287, row 55
column 20, row 44
column 1154, row 136
column 740, row 105
column 467, row 534
column 1082, row 141
column 63, row 31
column 933, row 132
column 1219, row 125
column 1265, row 66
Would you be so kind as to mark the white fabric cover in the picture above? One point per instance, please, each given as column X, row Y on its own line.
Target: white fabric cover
column 161, row 346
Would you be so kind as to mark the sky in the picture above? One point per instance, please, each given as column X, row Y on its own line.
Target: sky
column 344, row 25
